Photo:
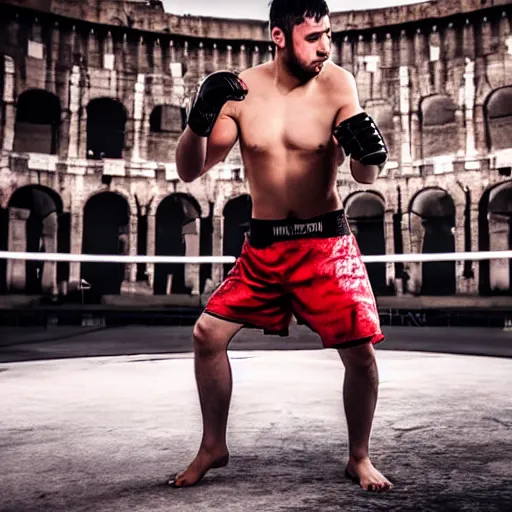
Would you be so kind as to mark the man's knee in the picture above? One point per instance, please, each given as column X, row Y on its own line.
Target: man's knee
column 211, row 334
column 361, row 356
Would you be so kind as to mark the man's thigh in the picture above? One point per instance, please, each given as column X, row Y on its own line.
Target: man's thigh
column 244, row 297
column 337, row 301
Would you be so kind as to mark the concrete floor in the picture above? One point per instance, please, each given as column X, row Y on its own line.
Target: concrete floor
column 82, row 430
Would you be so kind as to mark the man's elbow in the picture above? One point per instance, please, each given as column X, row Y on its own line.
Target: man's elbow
column 365, row 174
column 366, row 180
column 188, row 178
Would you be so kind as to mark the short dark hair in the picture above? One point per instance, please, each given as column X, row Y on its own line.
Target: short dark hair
column 284, row 14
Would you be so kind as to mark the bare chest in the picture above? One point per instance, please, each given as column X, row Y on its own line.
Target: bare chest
column 269, row 124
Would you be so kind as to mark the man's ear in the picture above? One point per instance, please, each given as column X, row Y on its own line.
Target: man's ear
column 278, row 37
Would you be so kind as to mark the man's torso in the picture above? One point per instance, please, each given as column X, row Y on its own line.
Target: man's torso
column 290, row 156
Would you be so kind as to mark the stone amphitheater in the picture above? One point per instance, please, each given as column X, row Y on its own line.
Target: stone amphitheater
column 93, row 100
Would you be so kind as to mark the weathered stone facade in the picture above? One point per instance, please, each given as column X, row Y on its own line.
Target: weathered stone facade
column 93, row 97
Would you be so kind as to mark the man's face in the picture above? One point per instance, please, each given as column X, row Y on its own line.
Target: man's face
column 309, row 47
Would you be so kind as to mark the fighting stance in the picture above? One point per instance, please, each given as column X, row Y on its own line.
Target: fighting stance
column 296, row 117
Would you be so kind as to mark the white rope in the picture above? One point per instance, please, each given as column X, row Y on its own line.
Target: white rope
column 112, row 258
column 195, row 260
column 439, row 256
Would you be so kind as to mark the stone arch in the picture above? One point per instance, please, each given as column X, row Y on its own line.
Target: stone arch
column 166, row 119
column 432, row 222
column 236, row 222
column 166, row 122
column 382, row 112
column 106, row 230
column 495, row 234
column 177, row 234
column 106, row 128
column 37, row 125
column 438, row 124
column 498, row 117
column 117, row 190
column 365, row 213
column 36, row 224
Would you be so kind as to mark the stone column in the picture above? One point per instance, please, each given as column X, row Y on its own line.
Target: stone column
column 217, row 238
column 76, row 235
column 405, row 108
column 390, row 247
column 269, row 57
column 416, row 241
column 435, row 58
column 49, row 238
column 215, row 57
column 229, row 57
column 404, row 49
column 202, row 62
column 10, row 113
column 347, row 59
column 498, row 241
column 191, row 232
column 376, row 91
column 158, row 61
column 415, row 137
column 138, row 113
column 460, row 282
column 74, row 108
column 406, row 246
column 17, row 242
column 243, row 57
column 151, row 239
column 255, row 56
column 131, row 268
column 473, row 287
column 469, row 101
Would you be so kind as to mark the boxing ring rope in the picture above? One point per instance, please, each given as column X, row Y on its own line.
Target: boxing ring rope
column 197, row 260
column 113, row 258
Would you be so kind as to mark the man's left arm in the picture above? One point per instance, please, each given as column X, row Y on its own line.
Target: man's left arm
column 358, row 135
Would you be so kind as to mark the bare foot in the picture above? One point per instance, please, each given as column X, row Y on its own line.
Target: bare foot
column 364, row 473
column 203, row 462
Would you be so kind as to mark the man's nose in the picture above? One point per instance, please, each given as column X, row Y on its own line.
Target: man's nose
column 324, row 48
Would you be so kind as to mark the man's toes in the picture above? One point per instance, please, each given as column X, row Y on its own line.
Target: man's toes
column 385, row 486
column 173, row 481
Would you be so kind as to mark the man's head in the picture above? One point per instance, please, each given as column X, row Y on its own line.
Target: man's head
column 301, row 30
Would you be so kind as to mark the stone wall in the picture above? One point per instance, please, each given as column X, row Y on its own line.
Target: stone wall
column 437, row 77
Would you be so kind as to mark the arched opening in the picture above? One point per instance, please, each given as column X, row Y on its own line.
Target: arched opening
column 106, row 231
column 435, row 210
column 495, row 234
column 37, row 122
column 175, row 225
column 237, row 216
column 498, row 113
column 166, row 122
column 106, row 125
column 365, row 213
column 36, row 225
column 438, row 125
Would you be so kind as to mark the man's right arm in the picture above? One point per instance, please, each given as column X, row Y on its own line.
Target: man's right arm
column 211, row 132
column 196, row 155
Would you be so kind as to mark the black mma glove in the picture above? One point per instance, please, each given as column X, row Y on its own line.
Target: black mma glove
column 214, row 92
column 360, row 138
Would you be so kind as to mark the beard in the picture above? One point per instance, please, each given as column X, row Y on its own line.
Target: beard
column 296, row 67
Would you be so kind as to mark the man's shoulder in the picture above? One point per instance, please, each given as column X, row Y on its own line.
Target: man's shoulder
column 254, row 78
column 255, row 74
column 335, row 76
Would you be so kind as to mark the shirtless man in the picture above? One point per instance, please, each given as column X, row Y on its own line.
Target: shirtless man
column 295, row 118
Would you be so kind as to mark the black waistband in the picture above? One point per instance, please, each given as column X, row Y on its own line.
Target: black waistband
column 262, row 233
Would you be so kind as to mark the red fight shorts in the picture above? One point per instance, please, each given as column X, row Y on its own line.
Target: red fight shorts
column 311, row 269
